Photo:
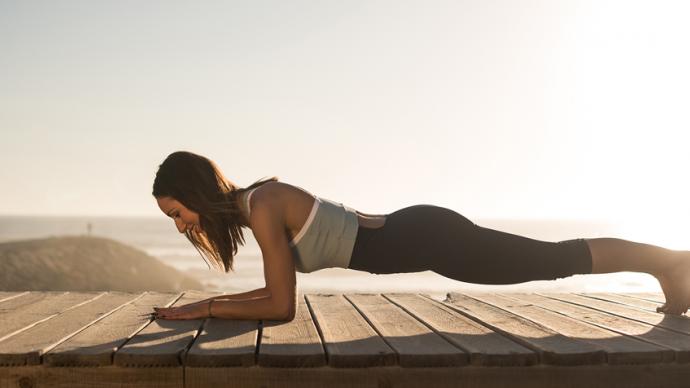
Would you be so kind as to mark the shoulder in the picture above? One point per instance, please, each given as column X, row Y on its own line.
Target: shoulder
column 277, row 191
column 268, row 192
column 266, row 201
column 282, row 200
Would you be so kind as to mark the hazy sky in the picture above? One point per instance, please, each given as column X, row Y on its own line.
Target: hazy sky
column 574, row 109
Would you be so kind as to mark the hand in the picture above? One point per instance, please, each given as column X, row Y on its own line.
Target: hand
column 190, row 311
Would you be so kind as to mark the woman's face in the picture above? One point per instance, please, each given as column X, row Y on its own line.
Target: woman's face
column 185, row 219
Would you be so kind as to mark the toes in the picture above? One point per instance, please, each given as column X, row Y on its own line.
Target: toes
column 666, row 308
column 663, row 308
column 672, row 309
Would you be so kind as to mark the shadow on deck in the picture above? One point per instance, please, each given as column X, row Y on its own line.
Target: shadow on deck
column 378, row 340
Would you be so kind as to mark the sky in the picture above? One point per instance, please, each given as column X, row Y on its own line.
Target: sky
column 493, row 108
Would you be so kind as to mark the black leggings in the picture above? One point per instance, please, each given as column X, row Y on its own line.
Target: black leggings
column 427, row 237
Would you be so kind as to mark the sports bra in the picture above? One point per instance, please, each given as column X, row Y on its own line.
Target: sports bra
column 327, row 238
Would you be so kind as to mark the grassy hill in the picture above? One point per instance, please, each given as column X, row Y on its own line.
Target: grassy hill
column 82, row 263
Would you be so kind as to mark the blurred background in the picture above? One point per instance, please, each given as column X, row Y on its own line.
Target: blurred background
column 549, row 119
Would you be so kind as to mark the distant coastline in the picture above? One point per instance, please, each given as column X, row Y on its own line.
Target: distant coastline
column 159, row 239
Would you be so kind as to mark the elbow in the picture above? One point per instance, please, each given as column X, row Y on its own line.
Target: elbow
column 290, row 315
column 286, row 312
column 284, row 306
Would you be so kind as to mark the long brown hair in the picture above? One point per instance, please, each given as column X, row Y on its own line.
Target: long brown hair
column 198, row 184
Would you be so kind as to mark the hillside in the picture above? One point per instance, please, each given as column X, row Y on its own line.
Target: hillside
column 82, row 263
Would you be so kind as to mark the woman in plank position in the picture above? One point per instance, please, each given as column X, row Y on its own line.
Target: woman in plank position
column 297, row 230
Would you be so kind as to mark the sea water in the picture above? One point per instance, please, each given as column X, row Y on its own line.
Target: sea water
column 158, row 237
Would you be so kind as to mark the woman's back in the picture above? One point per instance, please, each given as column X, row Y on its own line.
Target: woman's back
column 297, row 204
column 321, row 232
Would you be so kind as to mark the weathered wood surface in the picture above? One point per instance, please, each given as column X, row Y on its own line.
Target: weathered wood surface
column 390, row 339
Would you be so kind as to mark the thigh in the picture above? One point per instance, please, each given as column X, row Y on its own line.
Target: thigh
column 492, row 256
column 428, row 237
column 411, row 240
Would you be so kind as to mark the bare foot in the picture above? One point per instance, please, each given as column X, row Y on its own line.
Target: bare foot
column 675, row 282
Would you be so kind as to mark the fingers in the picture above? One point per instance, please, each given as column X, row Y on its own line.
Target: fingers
column 164, row 312
column 164, row 315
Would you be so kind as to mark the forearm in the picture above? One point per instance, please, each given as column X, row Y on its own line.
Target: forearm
column 259, row 308
column 248, row 295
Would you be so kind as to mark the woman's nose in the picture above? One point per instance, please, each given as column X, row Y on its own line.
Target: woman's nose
column 180, row 226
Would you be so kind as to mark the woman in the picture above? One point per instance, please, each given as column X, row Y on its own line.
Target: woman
column 299, row 231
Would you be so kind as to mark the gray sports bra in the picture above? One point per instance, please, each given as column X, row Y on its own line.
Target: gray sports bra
column 327, row 238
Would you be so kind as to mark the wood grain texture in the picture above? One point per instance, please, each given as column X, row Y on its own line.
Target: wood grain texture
column 348, row 338
column 28, row 310
column 87, row 377
column 292, row 344
column 27, row 347
column 483, row 345
column 5, row 295
column 657, row 297
column 552, row 347
column 96, row 344
column 338, row 340
column 224, row 343
column 415, row 344
column 638, row 310
column 676, row 347
column 623, row 299
column 163, row 342
column 616, row 348
column 536, row 376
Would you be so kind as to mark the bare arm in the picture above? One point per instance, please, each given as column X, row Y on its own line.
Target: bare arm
column 260, row 308
column 267, row 307
column 278, row 300
column 249, row 295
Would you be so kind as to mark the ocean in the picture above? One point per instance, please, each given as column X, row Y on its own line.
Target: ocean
column 158, row 237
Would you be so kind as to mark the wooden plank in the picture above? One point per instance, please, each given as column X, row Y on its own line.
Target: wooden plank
column 224, row 343
column 618, row 349
column 415, row 344
column 649, row 333
column 237, row 377
column 658, row 297
column 162, row 343
column 95, row 345
column 659, row 321
column 292, row 344
column 347, row 337
column 639, row 310
column 28, row 310
column 27, row 347
column 623, row 299
column 22, row 300
column 417, row 308
column 11, row 295
column 484, row 346
column 538, row 376
column 552, row 347
column 80, row 377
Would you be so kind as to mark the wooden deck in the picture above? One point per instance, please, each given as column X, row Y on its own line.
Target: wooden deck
column 79, row 339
